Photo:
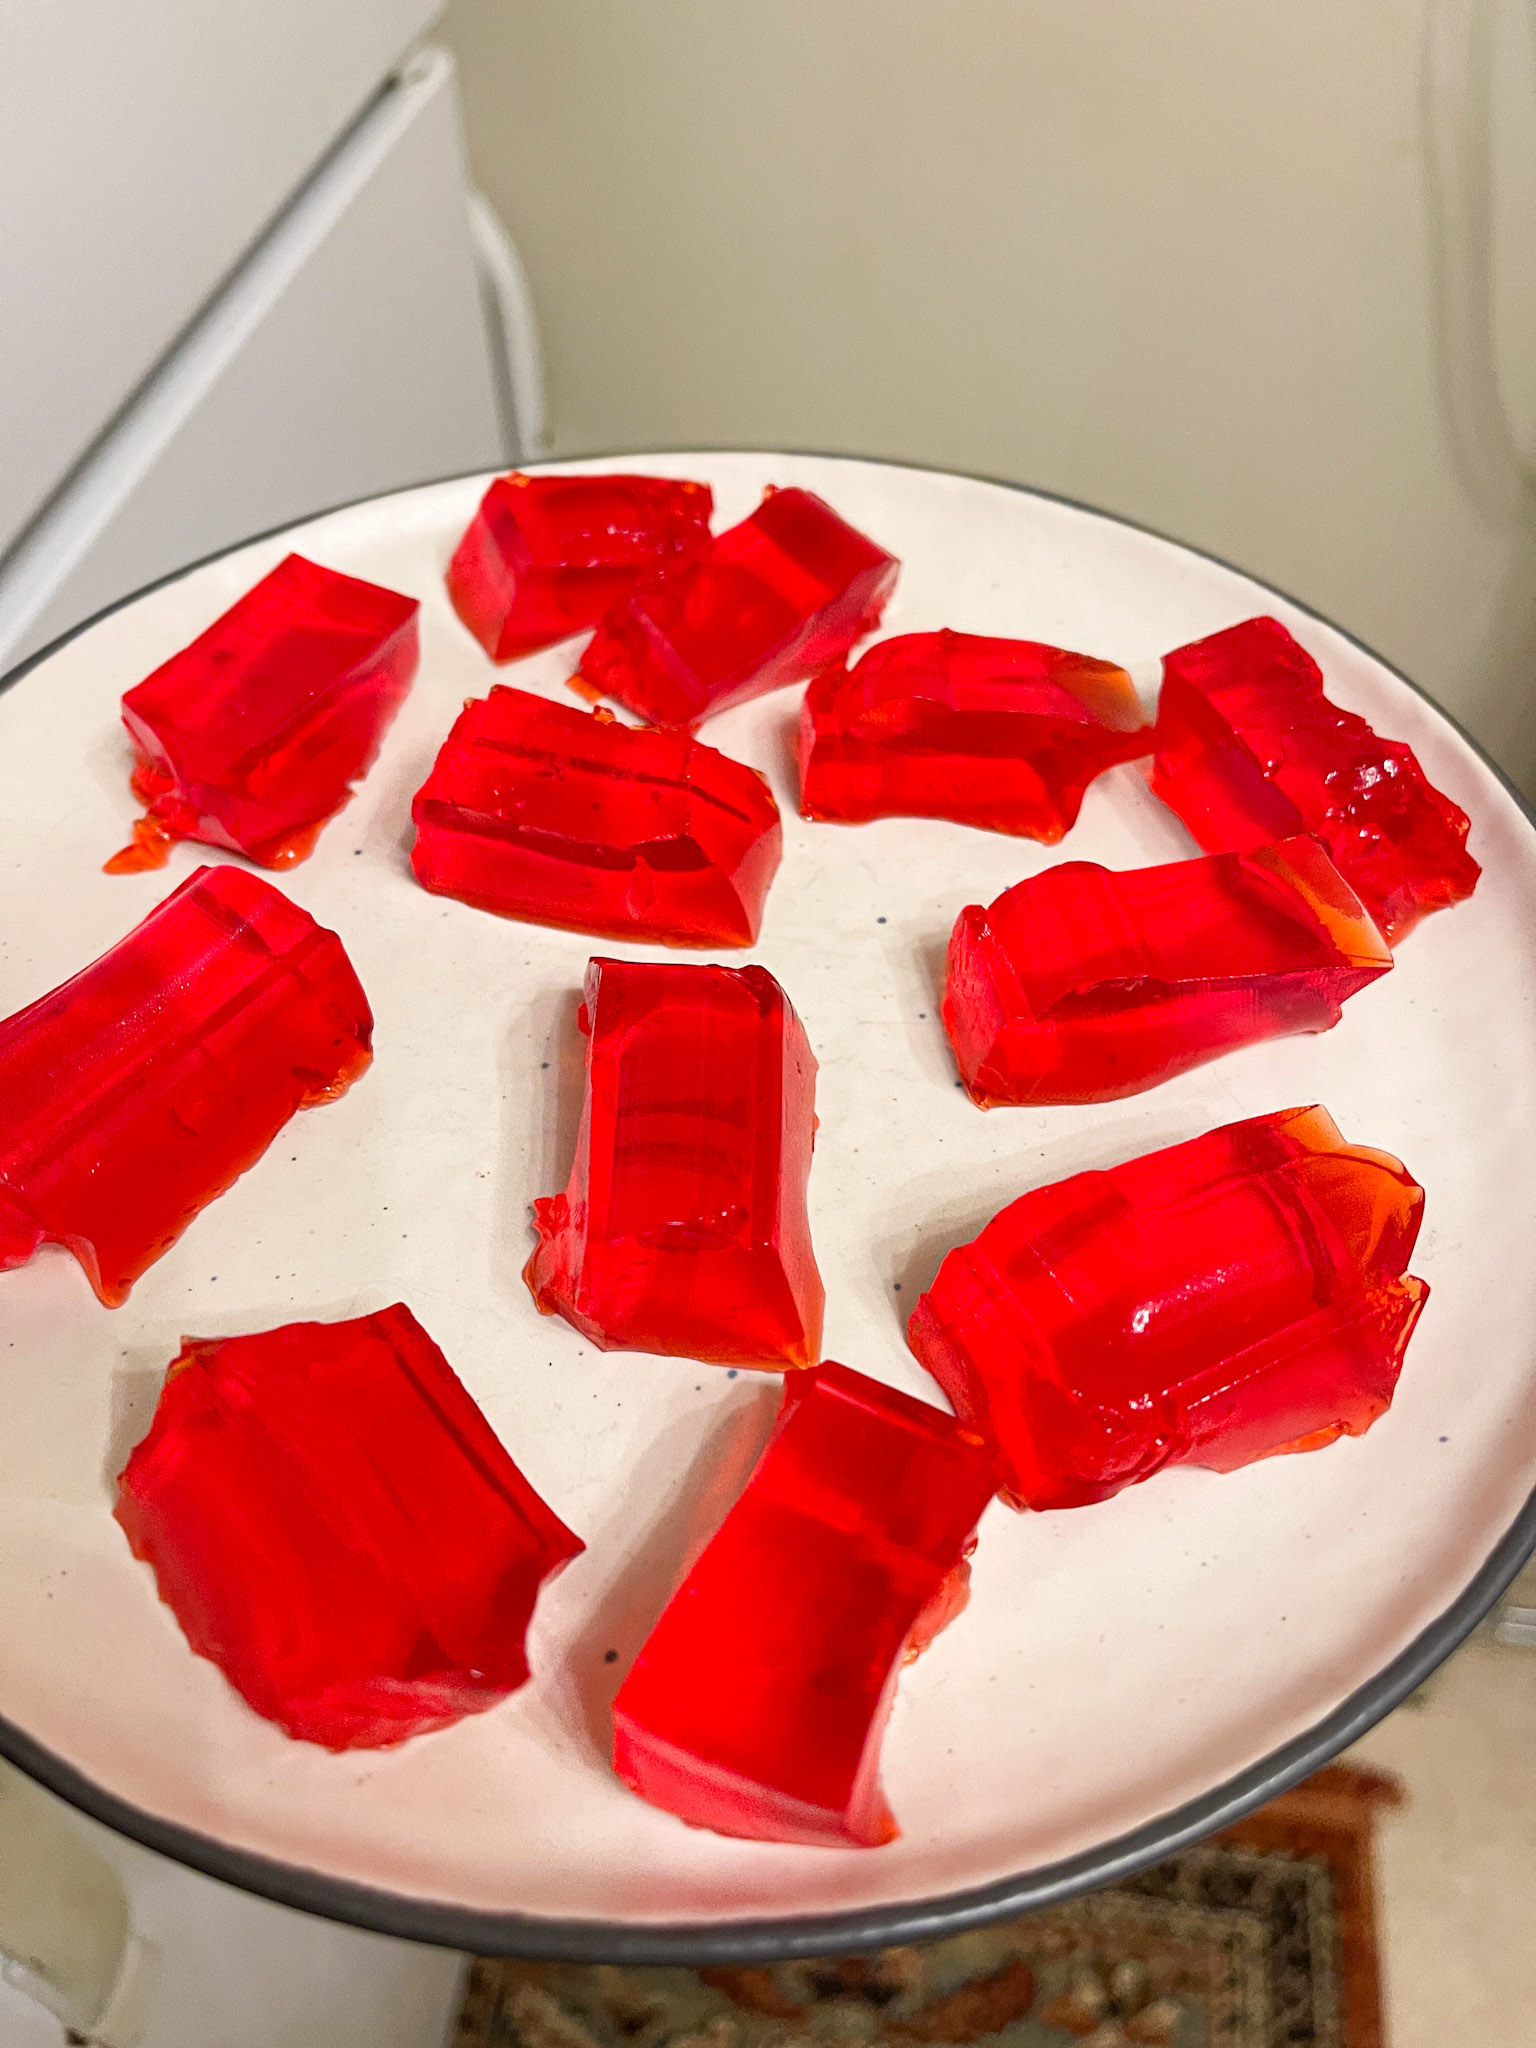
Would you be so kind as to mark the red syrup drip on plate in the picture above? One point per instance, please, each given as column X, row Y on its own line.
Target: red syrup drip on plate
column 1210, row 1304
column 1081, row 985
column 253, row 735
column 1005, row 734
column 683, row 1228
column 335, row 1525
column 540, row 811
column 545, row 556
column 138, row 1090
column 1250, row 750
column 757, row 1704
column 772, row 601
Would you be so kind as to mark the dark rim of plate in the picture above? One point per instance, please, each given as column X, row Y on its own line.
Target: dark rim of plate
column 906, row 1920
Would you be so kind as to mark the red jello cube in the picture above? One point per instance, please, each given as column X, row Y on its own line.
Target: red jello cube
column 684, row 1226
column 1006, row 734
column 140, row 1088
column 1250, row 750
column 252, row 736
column 757, row 1703
column 1080, row 985
column 334, row 1523
column 776, row 599
column 545, row 556
column 541, row 811
column 1210, row 1304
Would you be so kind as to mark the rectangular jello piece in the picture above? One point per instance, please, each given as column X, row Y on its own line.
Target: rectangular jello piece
column 757, row 1704
column 772, row 601
column 335, row 1525
column 1209, row 1304
column 1080, row 984
column 138, row 1090
column 545, row 556
column 253, row 735
column 684, row 1229
column 1250, row 750
column 1005, row 734
column 542, row 811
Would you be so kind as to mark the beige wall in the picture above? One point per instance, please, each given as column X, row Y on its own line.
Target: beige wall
column 1175, row 257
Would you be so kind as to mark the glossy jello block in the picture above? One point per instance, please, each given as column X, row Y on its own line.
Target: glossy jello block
column 1080, row 984
column 683, row 1228
column 545, row 556
column 139, row 1089
column 252, row 736
column 1209, row 1304
column 334, row 1523
column 776, row 599
column 1006, row 734
column 758, row 1701
column 542, row 811
column 1250, row 750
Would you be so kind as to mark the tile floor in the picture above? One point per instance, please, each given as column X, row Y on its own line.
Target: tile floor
column 1456, row 1863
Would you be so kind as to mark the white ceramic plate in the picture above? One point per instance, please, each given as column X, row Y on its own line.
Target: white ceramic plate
column 1127, row 1676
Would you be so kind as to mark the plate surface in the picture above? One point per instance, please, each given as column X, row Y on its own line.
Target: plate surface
column 1126, row 1676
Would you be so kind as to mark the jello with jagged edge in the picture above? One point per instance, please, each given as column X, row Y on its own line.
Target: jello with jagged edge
column 138, row 1090
column 546, row 812
column 334, row 1523
column 1005, row 734
column 545, row 556
column 772, row 601
column 1081, row 984
column 1250, row 750
column 684, row 1228
column 253, row 735
column 757, row 1703
column 1210, row 1304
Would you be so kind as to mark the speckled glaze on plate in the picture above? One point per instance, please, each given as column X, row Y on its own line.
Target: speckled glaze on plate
column 1128, row 1676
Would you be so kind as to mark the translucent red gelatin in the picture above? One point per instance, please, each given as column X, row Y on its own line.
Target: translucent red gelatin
column 1249, row 750
column 1080, row 985
column 684, row 1226
column 1210, row 1304
column 757, row 1703
column 545, row 556
column 1006, row 734
column 252, row 736
column 336, row 1526
column 140, row 1088
column 776, row 599
column 541, row 811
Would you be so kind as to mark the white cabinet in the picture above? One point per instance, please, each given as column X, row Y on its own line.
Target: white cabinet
column 346, row 355
column 144, row 144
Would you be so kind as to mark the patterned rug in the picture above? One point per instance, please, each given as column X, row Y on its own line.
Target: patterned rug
column 1263, row 1937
